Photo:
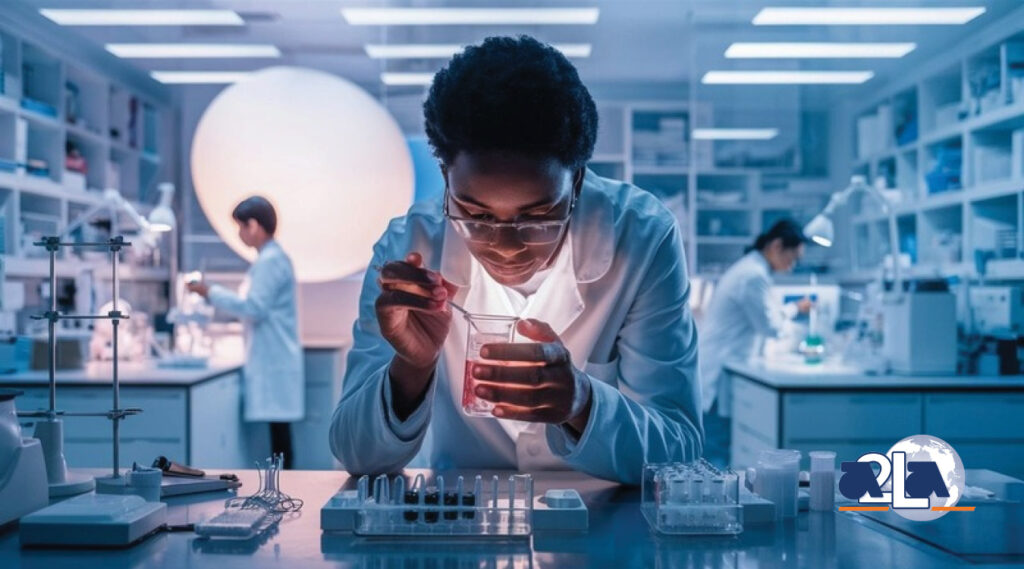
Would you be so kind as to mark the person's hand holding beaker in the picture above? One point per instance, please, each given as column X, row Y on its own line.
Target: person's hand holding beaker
column 534, row 382
column 414, row 318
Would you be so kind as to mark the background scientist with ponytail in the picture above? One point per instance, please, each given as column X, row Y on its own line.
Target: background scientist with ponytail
column 742, row 313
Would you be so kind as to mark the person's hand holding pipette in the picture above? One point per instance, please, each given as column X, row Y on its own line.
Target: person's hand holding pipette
column 414, row 318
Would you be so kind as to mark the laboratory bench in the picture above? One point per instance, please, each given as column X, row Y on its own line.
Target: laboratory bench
column 804, row 407
column 618, row 537
column 188, row 414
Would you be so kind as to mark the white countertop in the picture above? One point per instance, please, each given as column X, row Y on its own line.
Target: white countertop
column 792, row 373
column 130, row 373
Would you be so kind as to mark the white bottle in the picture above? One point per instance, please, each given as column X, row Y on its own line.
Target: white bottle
column 823, row 480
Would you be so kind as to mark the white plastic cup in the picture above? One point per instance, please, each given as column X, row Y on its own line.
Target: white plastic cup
column 145, row 482
column 778, row 479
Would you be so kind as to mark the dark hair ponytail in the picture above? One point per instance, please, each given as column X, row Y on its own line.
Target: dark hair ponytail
column 792, row 236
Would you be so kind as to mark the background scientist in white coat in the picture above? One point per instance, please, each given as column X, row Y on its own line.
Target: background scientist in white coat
column 742, row 313
column 273, row 375
column 594, row 267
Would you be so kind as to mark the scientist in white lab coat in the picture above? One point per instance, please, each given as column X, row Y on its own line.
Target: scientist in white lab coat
column 273, row 379
column 742, row 313
column 594, row 267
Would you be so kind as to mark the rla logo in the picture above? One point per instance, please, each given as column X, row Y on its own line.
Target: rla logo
column 921, row 477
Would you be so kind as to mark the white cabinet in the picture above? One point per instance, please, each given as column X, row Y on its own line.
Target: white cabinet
column 324, row 369
column 982, row 425
column 197, row 424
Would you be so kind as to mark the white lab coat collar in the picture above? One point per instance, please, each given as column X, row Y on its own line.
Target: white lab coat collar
column 757, row 258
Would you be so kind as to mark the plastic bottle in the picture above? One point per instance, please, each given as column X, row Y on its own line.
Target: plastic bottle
column 823, row 480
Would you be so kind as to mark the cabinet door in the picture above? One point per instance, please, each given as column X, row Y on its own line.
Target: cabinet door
column 755, row 421
column 324, row 371
column 215, row 424
column 850, row 417
column 986, row 429
column 158, row 430
column 978, row 416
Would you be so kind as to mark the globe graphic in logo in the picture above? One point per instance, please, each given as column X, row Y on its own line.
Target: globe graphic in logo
column 926, row 448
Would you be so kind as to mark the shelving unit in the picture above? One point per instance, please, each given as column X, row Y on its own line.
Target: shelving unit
column 962, row 179
column 719, row 209
column 54, row 108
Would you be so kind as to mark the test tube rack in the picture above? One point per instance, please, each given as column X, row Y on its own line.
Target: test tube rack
column 692, row 498
column 49, row 429
column 389, row 508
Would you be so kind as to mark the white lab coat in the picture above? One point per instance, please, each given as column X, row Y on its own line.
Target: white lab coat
column 742, row 313
column 624, row 318
column 274, row 383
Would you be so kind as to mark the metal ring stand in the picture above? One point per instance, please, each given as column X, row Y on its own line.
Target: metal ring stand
column 50, row 431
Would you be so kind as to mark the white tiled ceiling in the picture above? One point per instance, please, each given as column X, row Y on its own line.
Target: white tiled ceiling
column 642, row 41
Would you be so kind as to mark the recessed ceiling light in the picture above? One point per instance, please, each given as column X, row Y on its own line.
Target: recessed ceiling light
column 81, row 17
column 198, row 77
column 406, row 79
column 469, row 16
column 735, row 133
column 444, row 51
column 192, row 50
column 812, row 50
column 785, row 77
column 863, row 16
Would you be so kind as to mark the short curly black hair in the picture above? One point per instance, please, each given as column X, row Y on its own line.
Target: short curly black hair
column 513, row 95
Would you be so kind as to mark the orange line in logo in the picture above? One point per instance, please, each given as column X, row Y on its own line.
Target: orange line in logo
column 953, row 508
column 863, row 508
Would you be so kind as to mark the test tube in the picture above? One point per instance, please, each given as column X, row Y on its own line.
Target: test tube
column 716, row 494
column 494, row 491
column 399, row 490
column 380, row 489
column 697, row 488
column 823, row 480
column 364, row 488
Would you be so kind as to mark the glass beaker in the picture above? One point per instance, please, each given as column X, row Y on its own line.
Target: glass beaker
column 483, row 329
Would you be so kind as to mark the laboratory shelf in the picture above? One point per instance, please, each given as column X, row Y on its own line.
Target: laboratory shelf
column 648, row 143
column 65, row 96
column 970, row 103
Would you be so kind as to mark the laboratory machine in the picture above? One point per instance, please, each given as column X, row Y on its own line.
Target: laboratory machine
column 920, row 329
column 997, row 315
column 23, row 487
column 997, row 310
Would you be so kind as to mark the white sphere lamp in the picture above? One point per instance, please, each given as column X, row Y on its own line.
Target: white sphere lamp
column 331, row 159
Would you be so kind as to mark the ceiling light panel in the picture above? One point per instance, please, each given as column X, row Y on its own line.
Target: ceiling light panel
column 785, row 77
column 864, row 16
column 83, row 17
column 469, row 16
column 192, row 51
column 818, row 50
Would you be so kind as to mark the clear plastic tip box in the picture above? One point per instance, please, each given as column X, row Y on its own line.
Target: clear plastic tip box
column 693, row 498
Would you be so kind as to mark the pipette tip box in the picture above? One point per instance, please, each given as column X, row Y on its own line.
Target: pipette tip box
column 693, row 498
